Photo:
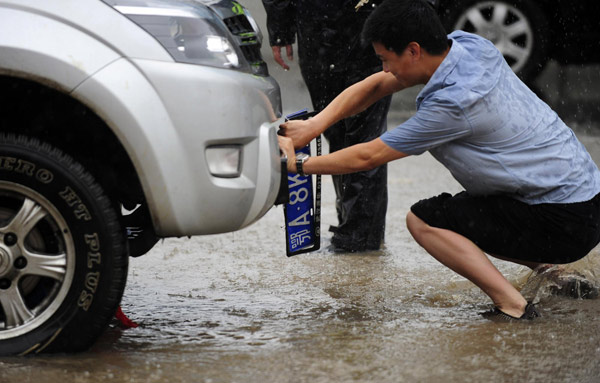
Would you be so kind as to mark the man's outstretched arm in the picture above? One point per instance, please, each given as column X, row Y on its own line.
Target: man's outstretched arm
column 356, row 158
column 351, row 101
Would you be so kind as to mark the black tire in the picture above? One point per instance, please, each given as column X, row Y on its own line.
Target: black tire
column 63, row 260
column 517, row 28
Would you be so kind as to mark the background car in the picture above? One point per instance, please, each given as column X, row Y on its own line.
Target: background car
column 530, row 32
column 121, row 122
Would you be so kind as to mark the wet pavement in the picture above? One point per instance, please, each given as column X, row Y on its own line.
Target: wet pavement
column 234, row 308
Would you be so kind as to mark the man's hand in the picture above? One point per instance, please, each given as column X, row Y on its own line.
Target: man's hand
column 300, row 131
column 287, row 146
column 279, row 59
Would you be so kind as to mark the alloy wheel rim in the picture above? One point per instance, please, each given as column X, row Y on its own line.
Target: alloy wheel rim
column 505, row 26
column 37, row 260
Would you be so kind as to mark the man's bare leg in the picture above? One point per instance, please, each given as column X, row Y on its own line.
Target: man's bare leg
column 531, row 265
column 464, row 257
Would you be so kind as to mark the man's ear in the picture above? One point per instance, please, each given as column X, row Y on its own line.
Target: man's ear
column 414, row 50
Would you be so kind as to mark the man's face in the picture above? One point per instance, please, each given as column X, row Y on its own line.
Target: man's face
column 402, row 65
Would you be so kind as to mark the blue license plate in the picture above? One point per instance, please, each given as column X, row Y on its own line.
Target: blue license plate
column 302, row 211
column 300, row 218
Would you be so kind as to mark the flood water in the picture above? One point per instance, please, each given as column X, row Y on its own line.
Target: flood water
column 234, row 308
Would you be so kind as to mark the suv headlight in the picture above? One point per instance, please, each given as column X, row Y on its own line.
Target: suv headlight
column 189, row 31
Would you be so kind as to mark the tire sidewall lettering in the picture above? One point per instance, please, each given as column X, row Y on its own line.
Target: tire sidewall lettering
column 21, row 166
column 85, row 226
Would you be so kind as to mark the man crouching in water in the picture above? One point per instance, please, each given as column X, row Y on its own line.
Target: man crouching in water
column 531, row 189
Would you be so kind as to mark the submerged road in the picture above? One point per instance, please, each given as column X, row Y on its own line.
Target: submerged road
column 234, row 308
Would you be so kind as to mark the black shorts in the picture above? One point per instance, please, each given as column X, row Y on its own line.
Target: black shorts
column 502, row 226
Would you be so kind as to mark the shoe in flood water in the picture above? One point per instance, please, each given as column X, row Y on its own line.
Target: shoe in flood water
column 499, row 316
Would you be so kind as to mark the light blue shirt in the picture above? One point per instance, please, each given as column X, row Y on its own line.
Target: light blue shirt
column 493, row 133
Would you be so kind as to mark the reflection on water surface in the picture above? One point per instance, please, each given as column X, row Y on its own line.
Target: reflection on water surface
column 234, row 308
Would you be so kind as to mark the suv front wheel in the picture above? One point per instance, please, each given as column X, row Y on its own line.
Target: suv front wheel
column 63, row 259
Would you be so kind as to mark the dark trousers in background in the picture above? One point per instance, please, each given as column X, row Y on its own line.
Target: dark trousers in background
column 361, row 198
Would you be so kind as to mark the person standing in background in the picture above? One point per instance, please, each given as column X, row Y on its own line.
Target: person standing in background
column 331, row 59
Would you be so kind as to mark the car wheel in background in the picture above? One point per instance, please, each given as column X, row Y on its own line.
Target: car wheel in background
column 63, row 260
column 517, row 28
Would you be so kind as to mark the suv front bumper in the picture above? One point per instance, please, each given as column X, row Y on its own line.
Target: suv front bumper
column 167, row 114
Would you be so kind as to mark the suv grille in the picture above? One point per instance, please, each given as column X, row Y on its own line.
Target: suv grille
column 238, row 24
column 240, row 27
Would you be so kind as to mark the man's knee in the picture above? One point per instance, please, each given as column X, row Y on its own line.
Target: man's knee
column 416, row 226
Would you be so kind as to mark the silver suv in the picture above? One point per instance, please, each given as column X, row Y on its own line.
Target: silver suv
column 121, row 122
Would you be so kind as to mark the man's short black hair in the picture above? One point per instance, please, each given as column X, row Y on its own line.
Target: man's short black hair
column 395, row 23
